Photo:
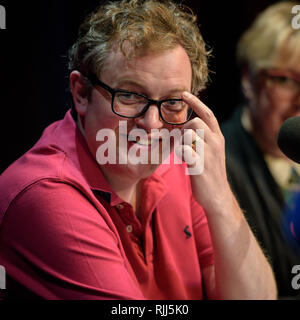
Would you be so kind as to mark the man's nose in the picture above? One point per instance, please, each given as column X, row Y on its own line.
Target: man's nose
column 151, row 119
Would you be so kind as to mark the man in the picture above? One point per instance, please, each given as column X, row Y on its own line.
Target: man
column 263, row 179
column 74, row 226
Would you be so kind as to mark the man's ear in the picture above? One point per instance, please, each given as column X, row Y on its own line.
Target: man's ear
column 79, row 91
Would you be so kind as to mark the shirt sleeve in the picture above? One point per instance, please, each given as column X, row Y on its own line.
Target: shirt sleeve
column 54, row 243
column 202, row 235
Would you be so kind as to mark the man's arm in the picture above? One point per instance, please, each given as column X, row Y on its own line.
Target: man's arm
column 241, row 269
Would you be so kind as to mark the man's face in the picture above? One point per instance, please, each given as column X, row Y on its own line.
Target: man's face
column 276, row 98
column 158, row 76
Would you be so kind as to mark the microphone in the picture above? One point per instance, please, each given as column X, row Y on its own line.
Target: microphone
column 289, row 138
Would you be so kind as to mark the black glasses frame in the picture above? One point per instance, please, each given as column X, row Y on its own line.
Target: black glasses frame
column 96, row 82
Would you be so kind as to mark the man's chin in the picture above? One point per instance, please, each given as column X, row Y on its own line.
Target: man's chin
column 138, row 171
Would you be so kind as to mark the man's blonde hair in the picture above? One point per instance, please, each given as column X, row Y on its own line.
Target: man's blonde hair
column 271, row 39
column 147, row 26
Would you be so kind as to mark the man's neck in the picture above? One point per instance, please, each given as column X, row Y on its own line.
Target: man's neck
column 127, row 188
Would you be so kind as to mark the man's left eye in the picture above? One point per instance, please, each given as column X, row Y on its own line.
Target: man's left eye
column 174, row 103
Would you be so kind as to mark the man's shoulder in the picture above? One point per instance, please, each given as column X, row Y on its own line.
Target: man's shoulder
column 47, row 160
column 38, row 164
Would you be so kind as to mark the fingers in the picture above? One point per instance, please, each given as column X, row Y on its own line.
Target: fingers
column 191, row 150
column 195, row 124
column 193, row 142
column 202, row 111
column 192, row 137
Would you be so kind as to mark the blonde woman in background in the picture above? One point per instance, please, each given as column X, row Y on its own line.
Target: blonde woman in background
column 262, row 178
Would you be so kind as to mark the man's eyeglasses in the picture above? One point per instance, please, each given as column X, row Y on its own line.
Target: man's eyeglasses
column 283, row 80
column 133, row 105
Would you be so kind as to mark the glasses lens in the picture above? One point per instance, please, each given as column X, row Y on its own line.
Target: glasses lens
column 129, row 104
column 176, row 112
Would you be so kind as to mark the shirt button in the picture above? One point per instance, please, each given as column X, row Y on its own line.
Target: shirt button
column 120, row 206
column 129, row 228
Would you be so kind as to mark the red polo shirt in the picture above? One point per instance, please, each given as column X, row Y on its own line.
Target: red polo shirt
column 65, row 234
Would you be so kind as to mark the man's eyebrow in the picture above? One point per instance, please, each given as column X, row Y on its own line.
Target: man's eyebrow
column 129, row 82
column 143, row 89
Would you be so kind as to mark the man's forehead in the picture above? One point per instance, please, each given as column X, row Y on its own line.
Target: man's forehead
column 171, row 67
column 128, row 56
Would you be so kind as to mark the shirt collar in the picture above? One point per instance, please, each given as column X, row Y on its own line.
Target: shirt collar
column 71, row 141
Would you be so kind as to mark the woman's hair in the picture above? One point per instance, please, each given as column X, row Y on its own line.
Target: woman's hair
column 271, row 39
column 137, row 27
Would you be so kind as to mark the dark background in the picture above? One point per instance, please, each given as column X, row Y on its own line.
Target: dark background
column 33, row 62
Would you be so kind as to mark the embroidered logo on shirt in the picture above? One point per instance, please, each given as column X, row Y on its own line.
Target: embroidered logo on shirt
column 186, row 231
